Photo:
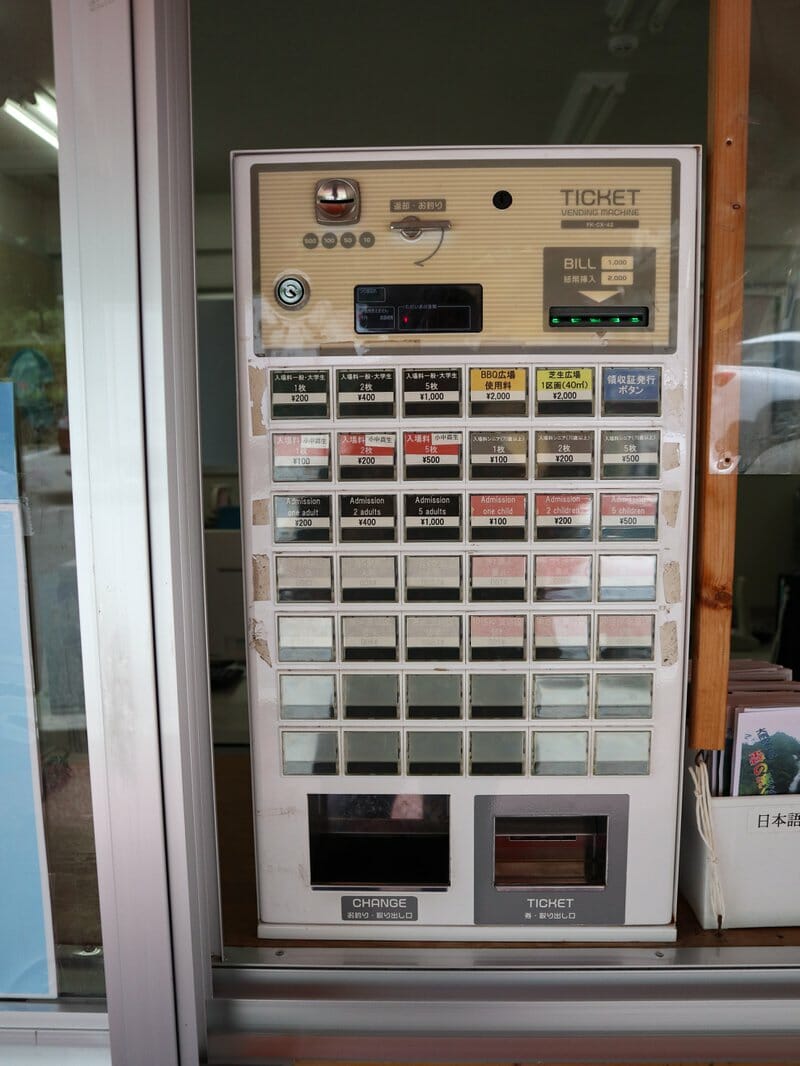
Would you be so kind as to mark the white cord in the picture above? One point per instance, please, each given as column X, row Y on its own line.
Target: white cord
column 705, row 827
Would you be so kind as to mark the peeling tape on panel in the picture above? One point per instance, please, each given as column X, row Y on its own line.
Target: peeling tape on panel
column 671, row 457
column 670, row 505
column 260, row 512
column 258, row 642
column 261, row 589
column 668, row 633
column 257, row 380
column 672, row 582
column 673, row 403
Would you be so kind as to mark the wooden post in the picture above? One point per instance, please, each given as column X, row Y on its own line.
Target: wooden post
column 718, row 415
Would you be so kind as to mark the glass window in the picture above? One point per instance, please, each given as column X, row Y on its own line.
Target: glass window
column 49, row 912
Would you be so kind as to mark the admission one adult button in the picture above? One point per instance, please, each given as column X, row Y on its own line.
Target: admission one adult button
column 432, row 516
column 302, row 519
column 432, row 455
column 365, row 392
column 301, row 456
column 628, row 516
column 563, row 516
column 300, row 394
column 631, row 390
column 564, row 453
column 498, row 392
column 564, row 390
column 367, row 517
column 630, row 454
column 501, row 454
column 432, row 393
column 367, row 456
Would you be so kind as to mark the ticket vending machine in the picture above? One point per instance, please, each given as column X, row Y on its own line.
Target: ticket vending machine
column 466, row 387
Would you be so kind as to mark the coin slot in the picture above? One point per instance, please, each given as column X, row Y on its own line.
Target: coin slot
column 550, row 851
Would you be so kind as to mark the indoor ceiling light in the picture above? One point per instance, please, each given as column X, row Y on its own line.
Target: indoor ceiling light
column 39, row 117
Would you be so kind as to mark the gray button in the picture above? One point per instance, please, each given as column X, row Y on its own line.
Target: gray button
column 311, row 240
column 347, row 240
column 367, row 239
column 329, row 240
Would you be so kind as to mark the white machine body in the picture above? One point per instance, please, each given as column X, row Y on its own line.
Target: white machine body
column 466, row 393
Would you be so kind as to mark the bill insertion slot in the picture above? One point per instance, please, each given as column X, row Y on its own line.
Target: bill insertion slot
column 599, row 317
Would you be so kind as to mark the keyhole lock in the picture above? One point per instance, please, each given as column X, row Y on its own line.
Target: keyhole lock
column 291, row 293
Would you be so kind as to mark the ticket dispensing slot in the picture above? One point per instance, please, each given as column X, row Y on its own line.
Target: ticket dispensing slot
column 465, row 394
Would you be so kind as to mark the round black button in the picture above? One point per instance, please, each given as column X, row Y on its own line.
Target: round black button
column 502, row 199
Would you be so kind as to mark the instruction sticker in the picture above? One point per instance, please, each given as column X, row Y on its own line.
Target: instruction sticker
column 304, row 578
column 367, row 456
column 498, row 454
column 300, row 393
column 631, row 390
column 301, row 456
column 497, row 578
column 498, row 392
column 432, row 393
column 563, row 577
column 497, row 516
column 367, row 518
column 564, row 453
column 565, row 390
column 433, row 578
column 432, row 455
column 561, row 636
column 563, row 516
column 365, row 392
column 433, row 637
column 624, row 637
column 432, row 516
column 628, row 516
column 630, row 454
column 369, row 638
column 302, row 519
column 369, row 578
column 494, row 637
